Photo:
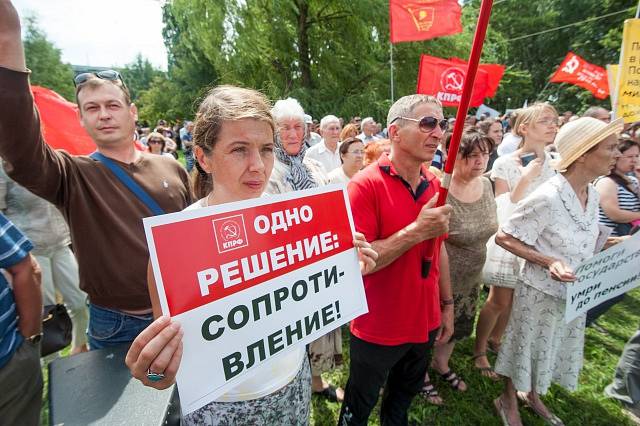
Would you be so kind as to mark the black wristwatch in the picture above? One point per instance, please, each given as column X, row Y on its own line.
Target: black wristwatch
column 445, row 302
column 35, row 339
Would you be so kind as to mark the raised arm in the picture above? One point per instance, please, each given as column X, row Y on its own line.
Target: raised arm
column 11, row 50
column 29, row 161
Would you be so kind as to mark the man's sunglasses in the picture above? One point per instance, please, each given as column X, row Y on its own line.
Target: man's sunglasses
column 427, row 124
column 110, row 75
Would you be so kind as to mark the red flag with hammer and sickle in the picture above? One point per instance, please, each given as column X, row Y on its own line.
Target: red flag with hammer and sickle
column 576, row 70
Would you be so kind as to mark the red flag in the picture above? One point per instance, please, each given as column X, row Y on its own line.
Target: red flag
column 576, row 70
column 414, row 20
column 60, row 125
column 444, row 80
column 494, row 71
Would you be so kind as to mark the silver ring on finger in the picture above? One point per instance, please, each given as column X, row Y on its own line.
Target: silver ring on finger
column 154, row 377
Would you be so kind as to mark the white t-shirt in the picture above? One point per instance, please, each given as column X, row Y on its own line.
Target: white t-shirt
column 269, row 377
column 329, row 160
column 338, row 176
column 509, row 144
column 366, row 139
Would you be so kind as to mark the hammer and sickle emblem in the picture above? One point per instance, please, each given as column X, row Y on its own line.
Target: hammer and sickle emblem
column 571, row 66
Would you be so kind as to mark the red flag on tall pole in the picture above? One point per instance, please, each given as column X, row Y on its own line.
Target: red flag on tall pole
column 444, row 79
column 415, row 20
column 576, row 70
column 472, row 68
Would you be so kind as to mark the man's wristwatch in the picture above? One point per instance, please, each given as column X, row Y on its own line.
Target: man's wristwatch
column 35, row 339
column 445, row 302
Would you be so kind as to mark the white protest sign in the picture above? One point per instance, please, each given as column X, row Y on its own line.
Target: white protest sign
column 606, row 275
column 252, row 282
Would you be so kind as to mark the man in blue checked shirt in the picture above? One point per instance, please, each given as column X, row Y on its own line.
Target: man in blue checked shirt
column 20, row 329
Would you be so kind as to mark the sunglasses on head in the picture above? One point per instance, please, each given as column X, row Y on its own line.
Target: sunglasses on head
column 427, row 124
column 110, row 75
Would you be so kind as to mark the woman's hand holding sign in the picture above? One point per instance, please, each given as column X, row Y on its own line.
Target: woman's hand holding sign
column 154, row 356
column 366, row 255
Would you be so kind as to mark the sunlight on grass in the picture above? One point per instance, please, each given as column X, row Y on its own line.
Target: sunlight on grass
column 587, row 406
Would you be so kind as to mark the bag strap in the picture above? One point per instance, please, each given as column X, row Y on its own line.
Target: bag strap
column 128, row 181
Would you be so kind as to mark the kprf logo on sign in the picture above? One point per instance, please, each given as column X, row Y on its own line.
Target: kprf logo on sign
column 230, row 233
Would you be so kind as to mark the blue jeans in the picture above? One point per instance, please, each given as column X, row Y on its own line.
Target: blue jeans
column 189, row 160
column 108, row 328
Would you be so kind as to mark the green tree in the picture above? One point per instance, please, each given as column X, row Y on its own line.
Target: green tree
column 597, row 40
column 139, row 75
column 44, row 61
column 332, row 55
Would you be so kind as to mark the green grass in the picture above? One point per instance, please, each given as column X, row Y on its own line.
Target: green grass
column 587, row 406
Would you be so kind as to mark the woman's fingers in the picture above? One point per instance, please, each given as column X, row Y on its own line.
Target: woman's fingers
column 170, row 368
column 152, row 349
column 561, row 272
column 369, row 253
column 162, row 360
column 143, row 339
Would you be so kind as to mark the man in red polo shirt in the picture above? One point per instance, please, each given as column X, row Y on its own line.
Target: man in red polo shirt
column 392, row 202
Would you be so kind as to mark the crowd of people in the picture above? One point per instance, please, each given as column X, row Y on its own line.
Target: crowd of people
column 530, row 196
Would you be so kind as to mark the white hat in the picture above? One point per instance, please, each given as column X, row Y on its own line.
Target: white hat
column 579, row 136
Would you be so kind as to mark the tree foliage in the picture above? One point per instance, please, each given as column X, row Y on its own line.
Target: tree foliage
column 139, row 75
column 334, row 55
column 44, row 61
column 597, row 40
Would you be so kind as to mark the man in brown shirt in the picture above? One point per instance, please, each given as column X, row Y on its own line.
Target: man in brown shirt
column 104, row 217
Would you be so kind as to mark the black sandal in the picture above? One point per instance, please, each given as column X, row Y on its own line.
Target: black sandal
column 487, row 372
column 328, row 393
column 430, row 393
column 453, row 379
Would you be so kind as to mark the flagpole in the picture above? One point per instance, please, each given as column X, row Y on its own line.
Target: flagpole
column 638, row 10
column 463, row 108
column 391, row 63
column 543, row 89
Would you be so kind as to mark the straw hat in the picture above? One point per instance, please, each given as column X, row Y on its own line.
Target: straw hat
column 579, row 136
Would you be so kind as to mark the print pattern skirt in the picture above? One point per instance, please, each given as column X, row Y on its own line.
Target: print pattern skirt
column 287, row 406
column 538, row 346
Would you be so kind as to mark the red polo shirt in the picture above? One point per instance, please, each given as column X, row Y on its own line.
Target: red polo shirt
column 403, row 306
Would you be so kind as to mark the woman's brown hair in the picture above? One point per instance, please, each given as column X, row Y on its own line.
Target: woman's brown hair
column 223, row 104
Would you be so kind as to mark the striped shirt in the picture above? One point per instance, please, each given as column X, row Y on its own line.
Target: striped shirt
column 627, row 200
column 14, row 247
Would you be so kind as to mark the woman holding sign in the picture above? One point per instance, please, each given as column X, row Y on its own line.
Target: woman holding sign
column 234, row 148
column 554, row 229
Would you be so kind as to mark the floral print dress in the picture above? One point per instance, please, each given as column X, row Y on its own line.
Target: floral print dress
column 539, row 347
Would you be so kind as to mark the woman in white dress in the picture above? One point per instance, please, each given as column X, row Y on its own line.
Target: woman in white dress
column 352, row 157
column 554, row 229
column 516, row 175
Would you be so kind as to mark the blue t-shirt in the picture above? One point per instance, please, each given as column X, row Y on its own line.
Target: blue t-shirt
column 14, row 247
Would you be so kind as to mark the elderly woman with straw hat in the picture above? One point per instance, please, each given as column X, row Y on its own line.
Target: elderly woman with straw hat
column 554, row 229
